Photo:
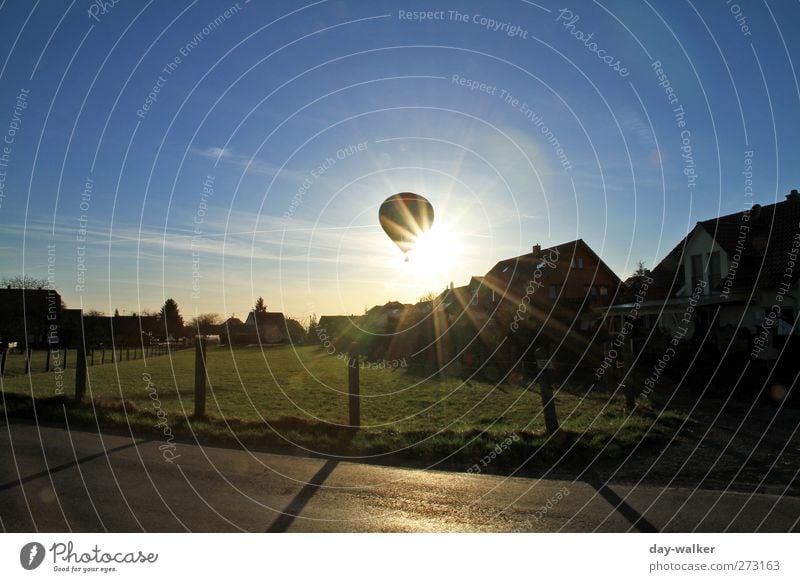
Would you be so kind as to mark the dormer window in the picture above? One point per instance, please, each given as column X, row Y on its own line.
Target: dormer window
column 707, row 268
column 577, row 263
column 697, row 269
column 714, row 270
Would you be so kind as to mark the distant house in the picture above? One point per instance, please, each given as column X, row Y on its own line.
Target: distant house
column 129, row 330
column 267, row 327
column 384, row 319
column 30, row 316
column 228, row 329
column 731, row 278
column 119, row 330
column 472, row 294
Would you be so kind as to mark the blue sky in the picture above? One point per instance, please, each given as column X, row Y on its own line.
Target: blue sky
column 300, row 119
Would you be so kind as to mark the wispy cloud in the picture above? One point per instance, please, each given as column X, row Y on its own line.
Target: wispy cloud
column 215, row 153
column 247, row 163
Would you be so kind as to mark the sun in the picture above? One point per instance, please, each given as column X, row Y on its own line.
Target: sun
column 435, row 252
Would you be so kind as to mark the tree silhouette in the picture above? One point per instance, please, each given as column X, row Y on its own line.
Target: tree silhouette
column 260, row 306
column 312, row 328
column 641, row 270
column 429, row 296
column 171, row 317
column 24, row 282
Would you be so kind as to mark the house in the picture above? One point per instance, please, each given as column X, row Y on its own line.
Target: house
column 119, row 330
column 383, row 319
column 566, row 283
column 491, row 322
column 472, row 295
column 30, row 316
column 264, row 327
column 732, row 281
column 228, row 329
column 546, row 296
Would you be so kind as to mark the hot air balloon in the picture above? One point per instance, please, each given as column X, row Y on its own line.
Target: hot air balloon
column 404, row 217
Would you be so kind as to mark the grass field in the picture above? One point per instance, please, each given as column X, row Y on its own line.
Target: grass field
column 301, row 392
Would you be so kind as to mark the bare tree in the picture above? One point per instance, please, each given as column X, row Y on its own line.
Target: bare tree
column 24, row 282
column 429, row 296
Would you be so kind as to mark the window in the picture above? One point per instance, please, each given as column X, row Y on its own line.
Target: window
column 697, row 269
column 715, row 271
column 552, row 291
column 603, row 291
column 593, row 292
column 577, row 263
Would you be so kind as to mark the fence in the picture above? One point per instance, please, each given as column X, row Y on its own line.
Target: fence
column 14, row 362
column 59, row 359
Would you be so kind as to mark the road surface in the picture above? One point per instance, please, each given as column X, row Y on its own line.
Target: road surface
column 52, row 479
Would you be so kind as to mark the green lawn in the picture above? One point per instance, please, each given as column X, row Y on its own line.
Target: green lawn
column 304, row 390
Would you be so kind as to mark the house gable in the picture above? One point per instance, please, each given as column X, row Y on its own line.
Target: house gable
column 570, row 271
column 753, row 246
column 700, row 251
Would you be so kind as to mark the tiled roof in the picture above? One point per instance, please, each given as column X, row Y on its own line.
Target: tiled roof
column 761, row 236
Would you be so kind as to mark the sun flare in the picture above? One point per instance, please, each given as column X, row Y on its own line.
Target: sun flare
column 436, row 251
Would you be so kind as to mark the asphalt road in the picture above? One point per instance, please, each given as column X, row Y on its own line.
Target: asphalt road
column 57, row 480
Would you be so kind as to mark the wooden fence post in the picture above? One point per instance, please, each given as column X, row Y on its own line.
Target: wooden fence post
column 47, row 361
column 353, row 381
column 545, row 365
column 64, row 367
column 200, row 377
column 4, row 350
column 80, row 373
column 27, row 360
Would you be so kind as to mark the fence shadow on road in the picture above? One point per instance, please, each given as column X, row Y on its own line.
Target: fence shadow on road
column 634, row 517
column 290, row 513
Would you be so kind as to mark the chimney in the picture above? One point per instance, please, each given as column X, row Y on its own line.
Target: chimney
column 537, row 249
column 793, row 196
